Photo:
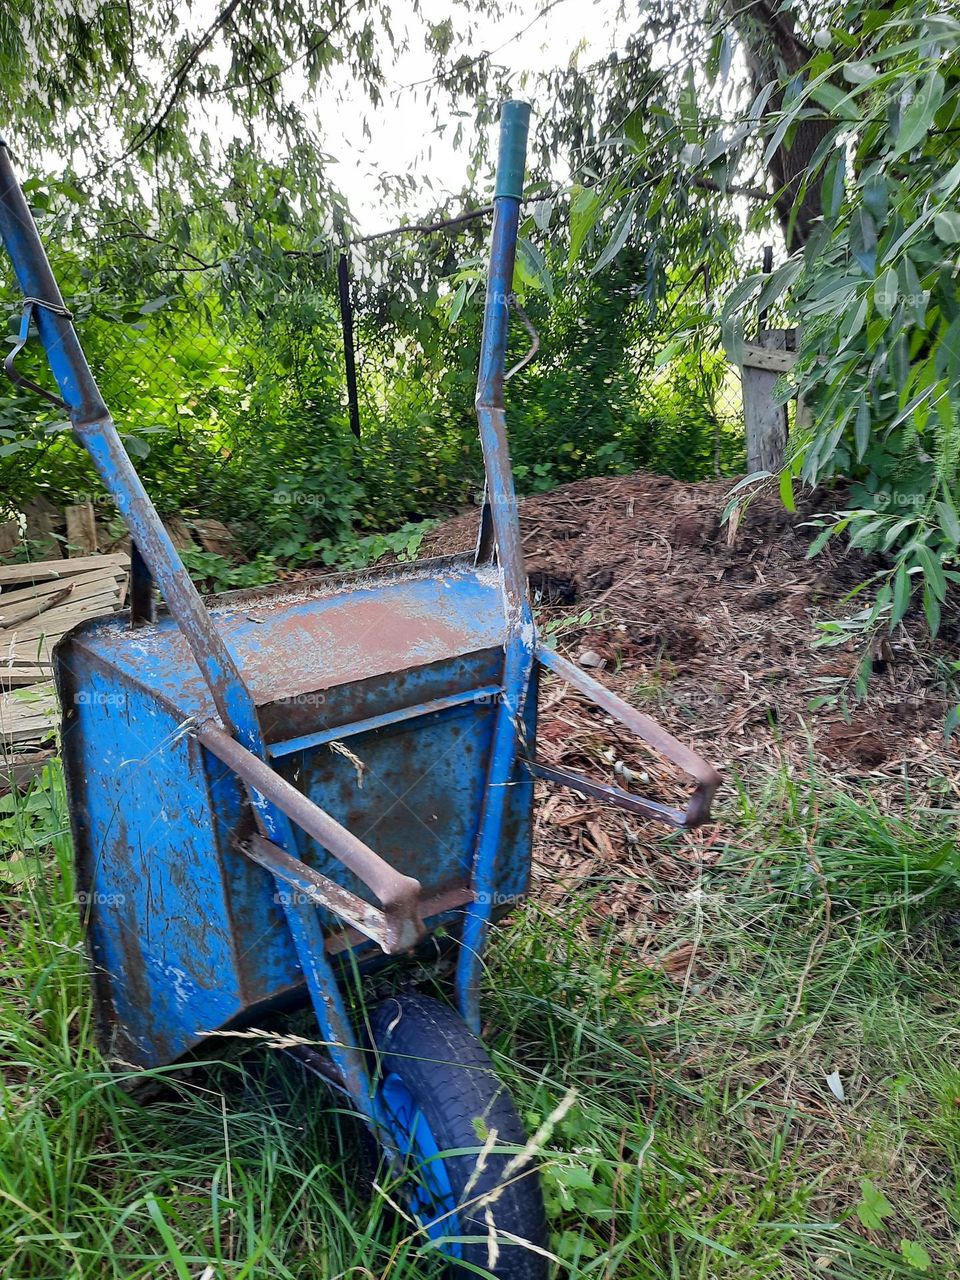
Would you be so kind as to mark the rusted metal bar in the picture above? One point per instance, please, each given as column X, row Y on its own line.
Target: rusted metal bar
column 615, row 796
column 399, row 895
column 390, row 935
column 486, row 693
column 706, row 777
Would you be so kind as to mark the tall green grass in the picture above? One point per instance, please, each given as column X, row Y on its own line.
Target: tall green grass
column 704, row 1141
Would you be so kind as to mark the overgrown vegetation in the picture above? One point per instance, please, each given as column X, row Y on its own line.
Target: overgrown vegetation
column 874, row 292
column 763, row 1082
column 199, row 252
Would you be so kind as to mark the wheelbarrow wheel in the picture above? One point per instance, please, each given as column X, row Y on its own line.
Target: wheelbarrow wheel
column 440, row 1099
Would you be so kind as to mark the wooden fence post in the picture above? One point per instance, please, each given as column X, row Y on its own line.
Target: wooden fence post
column 764, row 416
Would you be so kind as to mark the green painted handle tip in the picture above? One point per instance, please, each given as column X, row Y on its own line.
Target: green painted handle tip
column 511, row 162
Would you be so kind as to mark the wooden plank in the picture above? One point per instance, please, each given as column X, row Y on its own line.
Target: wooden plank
column 44, row 570
column 15, row 615
column 18, row 771
column 35, row 655
column 17, row 677
column 82, row 564
column 39, row 572
column 59, row 621
column 29, row 717
column 81, row 585
column 26, row 643
column 755, row 357
column 81, row 529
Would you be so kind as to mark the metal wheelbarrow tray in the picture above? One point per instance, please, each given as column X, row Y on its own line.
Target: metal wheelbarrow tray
column 274, row 783
column 402, row 669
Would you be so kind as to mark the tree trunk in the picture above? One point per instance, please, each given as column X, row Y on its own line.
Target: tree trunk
column 775, row 52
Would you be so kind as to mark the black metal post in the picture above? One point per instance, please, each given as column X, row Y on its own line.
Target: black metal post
column 349, row 361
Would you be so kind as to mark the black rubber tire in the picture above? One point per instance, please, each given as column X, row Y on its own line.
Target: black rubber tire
column 447, row 1070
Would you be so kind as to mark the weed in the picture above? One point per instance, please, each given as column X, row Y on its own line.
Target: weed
column 706, row 1139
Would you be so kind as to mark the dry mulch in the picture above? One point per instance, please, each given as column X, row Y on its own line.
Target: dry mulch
column 711, row 630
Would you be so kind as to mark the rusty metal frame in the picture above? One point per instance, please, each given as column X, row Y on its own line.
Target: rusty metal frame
column 646, row 728
column 397, row 926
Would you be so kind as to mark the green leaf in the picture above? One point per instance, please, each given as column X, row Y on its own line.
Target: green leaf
column 542, row 213
column 915, row 1255
column 949, row 520
column 834, row 175
column 861, row 428
column 689, row 111
column 726, row 55
column 947, row 226
column 786, row 490
column 166, row 1234
column 885, row 292
column 933, row 572
column 573, row 1177
column 669, row 352
column 154, row 304
column 585, row 207
column 901, row 595
column 459, row 299
column 873, row 1206
column 931, row 609
column 835, row 100
column 618, row 237
column 533, row 266
column 912, row 290
column 918, row 117
column 820, row 541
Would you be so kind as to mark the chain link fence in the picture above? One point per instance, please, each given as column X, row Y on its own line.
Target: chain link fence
column 231, row 410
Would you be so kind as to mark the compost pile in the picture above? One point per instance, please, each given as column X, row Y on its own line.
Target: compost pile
column 709, row 627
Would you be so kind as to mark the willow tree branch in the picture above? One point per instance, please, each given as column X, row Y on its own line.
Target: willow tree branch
column 179, row 79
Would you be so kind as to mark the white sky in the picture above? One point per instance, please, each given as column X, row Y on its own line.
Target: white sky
column 400, row 139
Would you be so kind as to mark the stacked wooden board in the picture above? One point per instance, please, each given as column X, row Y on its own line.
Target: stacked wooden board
column 39, row 603
column 27, row 717
column 42, row 600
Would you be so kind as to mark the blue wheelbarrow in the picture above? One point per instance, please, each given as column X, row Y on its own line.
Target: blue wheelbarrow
column 271, row 790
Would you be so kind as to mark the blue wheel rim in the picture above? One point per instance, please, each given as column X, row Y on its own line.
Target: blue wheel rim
column 430, row 1196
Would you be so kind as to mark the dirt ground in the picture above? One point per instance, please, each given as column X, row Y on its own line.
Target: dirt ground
column 711, row 630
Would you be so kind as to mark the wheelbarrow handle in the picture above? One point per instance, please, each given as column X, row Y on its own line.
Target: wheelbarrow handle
column 705, row 776
column 399, row 925
column 95, row 429
column 512, row 154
